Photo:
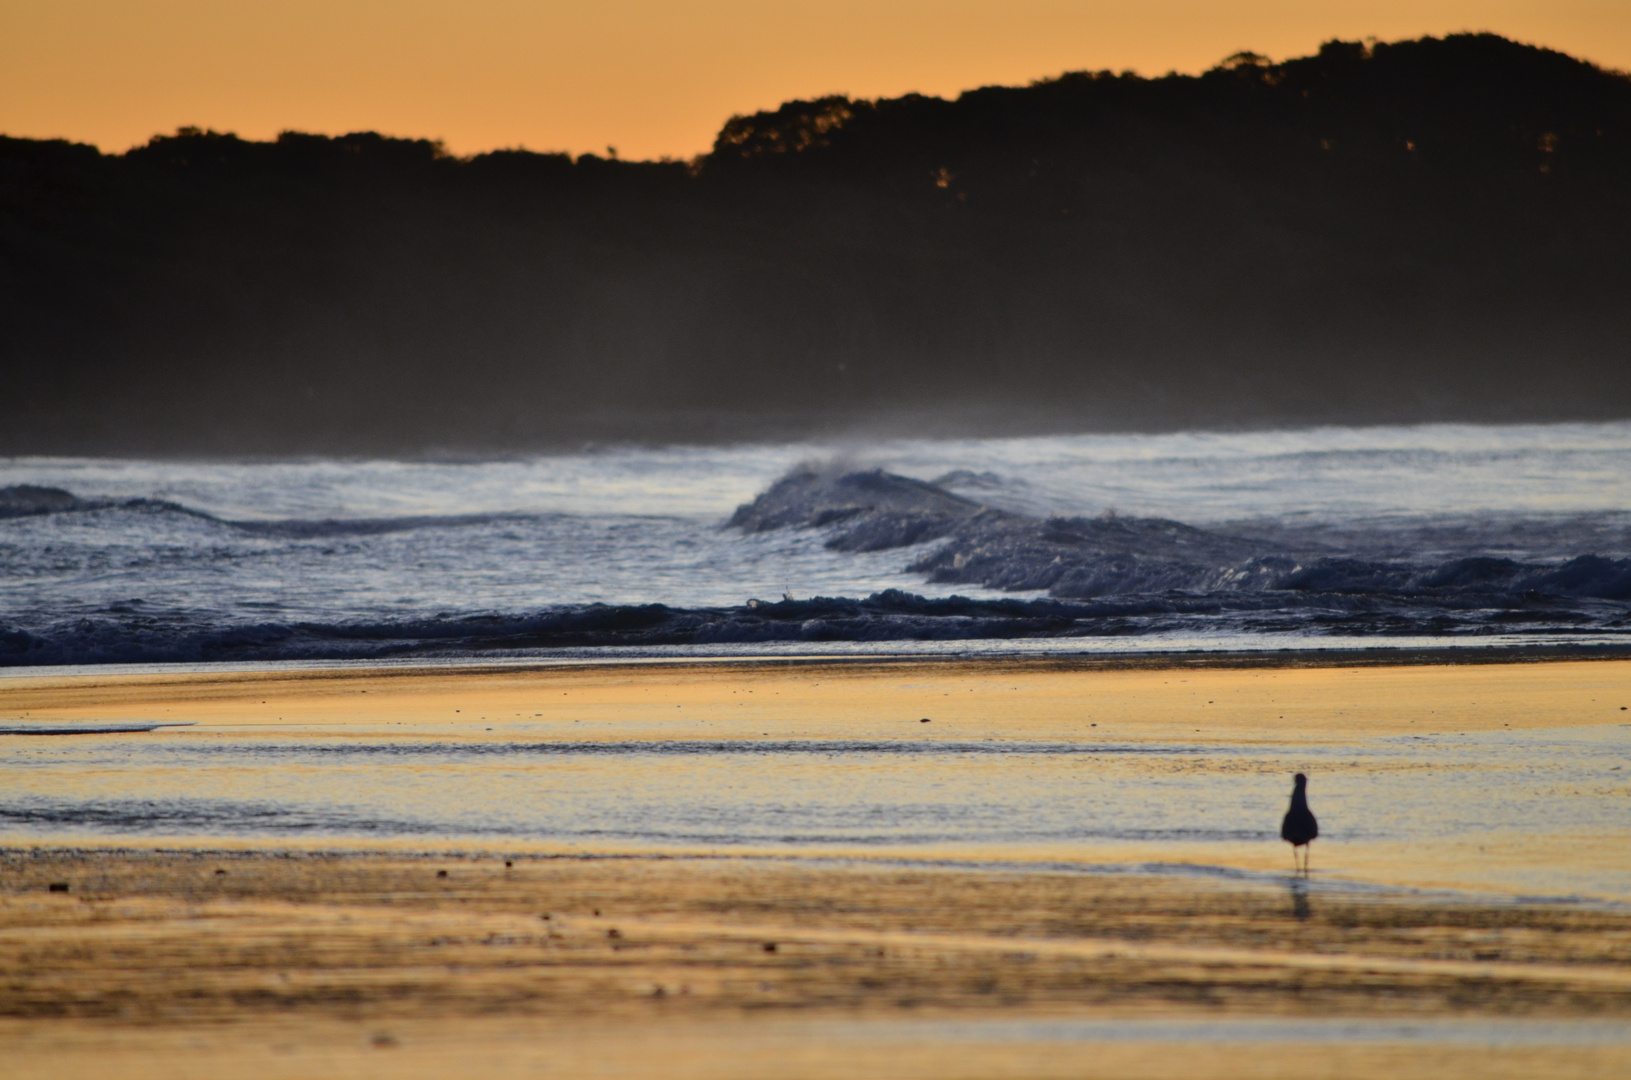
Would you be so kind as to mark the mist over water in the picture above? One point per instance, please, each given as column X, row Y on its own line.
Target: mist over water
column 1445, row 532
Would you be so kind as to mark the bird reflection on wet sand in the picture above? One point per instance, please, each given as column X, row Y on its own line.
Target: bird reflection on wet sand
column 1299, row 899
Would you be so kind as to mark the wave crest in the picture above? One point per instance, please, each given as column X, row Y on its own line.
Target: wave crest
column 1110, row 556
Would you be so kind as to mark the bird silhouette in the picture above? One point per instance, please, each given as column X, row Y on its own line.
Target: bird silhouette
column 1299, row 827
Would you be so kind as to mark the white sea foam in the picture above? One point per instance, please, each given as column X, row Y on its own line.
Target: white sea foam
column 166, row 552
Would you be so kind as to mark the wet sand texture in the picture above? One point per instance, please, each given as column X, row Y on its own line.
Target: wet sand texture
column 359, row 958
column 249, row 957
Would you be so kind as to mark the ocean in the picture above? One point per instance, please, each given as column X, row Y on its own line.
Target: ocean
column 1326, row 538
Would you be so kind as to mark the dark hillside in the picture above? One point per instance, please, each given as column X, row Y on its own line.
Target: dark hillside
column 1424, row 230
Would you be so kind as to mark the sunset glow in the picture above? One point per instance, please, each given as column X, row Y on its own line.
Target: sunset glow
column 651, row 78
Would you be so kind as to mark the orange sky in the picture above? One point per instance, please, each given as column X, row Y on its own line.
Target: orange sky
column 650, row 77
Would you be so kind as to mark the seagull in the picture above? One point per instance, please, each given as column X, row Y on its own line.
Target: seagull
column 1299, row 826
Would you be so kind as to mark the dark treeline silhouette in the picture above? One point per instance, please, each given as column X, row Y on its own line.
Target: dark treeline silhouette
column 1433, row 229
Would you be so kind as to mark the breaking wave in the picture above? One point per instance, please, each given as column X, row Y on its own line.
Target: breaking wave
column 1112, row 556
column 26, row 500
column 228, row 588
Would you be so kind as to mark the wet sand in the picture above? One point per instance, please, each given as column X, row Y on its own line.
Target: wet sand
column 1504, row 778
column 203, row 955
column 268, row 964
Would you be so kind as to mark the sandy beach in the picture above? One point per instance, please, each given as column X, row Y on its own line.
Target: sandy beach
column 184, row 951
column 1063, row 540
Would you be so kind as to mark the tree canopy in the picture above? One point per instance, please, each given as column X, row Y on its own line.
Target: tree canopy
column 1431, row 229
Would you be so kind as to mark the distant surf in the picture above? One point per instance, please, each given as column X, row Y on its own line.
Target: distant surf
column 1399, row 537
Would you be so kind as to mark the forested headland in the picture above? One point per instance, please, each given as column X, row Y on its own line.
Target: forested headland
column 1424, row 230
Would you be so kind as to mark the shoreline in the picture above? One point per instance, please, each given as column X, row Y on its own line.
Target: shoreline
column 1085, row 661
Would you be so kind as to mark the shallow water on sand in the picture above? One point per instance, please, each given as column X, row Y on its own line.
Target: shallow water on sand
column 1415, row 783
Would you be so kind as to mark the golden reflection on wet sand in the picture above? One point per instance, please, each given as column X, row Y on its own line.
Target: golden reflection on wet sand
column 252, row 958
column 1235, row 734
